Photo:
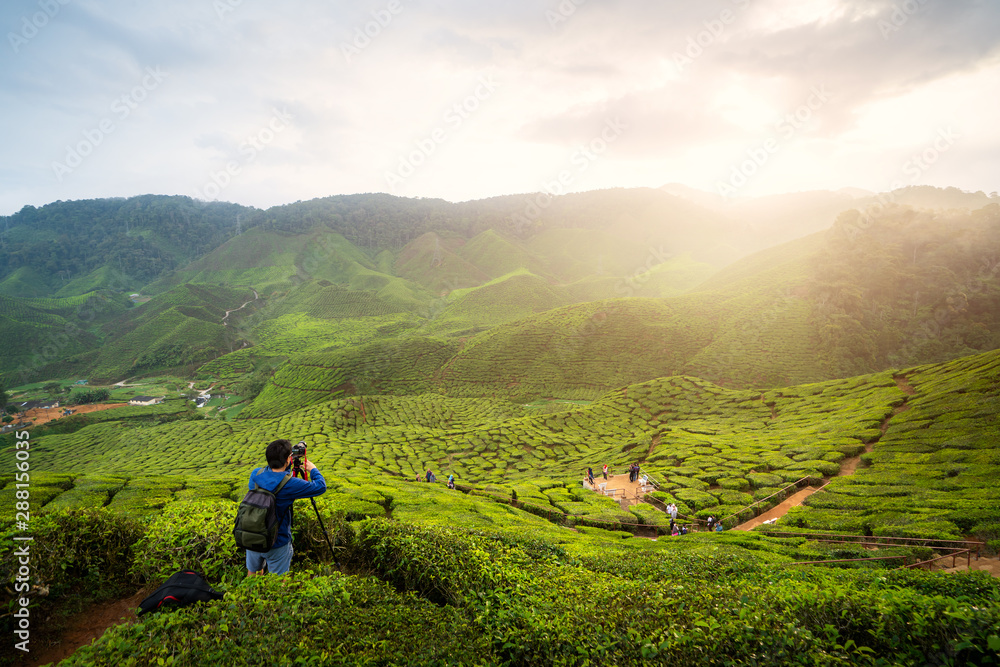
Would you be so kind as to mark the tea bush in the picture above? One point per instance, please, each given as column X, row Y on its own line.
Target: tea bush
column 297, row 620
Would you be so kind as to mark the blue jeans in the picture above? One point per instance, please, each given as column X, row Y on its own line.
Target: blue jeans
column 278, row 559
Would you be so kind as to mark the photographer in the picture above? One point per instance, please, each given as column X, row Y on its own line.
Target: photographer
column 279, row 458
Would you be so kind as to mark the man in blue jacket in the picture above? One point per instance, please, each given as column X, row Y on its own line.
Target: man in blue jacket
column 279, row 458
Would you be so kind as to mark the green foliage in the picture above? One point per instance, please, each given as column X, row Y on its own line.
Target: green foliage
column 89, row 396
column 77, row 550
column 140, row 236
column 196, row 535
column 334, row 619
column 537, row 609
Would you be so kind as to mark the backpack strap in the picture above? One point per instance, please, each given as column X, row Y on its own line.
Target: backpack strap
column 288, row 476
column 256, row 486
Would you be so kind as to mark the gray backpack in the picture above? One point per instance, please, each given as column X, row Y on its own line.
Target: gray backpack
column 257, row 518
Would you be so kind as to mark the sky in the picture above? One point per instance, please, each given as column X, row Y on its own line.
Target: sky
column 266, row 103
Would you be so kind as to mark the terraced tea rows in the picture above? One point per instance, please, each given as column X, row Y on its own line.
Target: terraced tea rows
column 578, row 351
column 934, row 471
column 392, row 367
column 713, row 450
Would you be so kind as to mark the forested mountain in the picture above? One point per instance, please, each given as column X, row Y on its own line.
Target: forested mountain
column 66, row 248
column 571, row 298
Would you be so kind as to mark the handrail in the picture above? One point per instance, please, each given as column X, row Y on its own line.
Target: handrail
column 880, row 539
column 847, row 560
column 953, row 556
column 650, row 478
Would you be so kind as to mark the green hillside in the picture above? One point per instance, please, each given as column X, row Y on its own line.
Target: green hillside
column 489, row 583
column 179, row 328
column 401, row 367
column 898, row 287
column 37, row 332
column 578, row 351
column 701, row 442
column 738, row 360
column 932, row 472
column 691, row 434
column 499, row 301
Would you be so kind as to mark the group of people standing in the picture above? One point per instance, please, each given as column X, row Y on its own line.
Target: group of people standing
column 634, row 474
column 431, row 477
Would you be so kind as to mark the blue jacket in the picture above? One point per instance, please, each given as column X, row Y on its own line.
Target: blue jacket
column 295, row 489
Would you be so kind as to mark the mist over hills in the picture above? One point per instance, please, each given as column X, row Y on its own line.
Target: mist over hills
column 534, row 296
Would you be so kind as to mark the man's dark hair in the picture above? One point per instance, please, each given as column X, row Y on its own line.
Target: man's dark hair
column 278, row 452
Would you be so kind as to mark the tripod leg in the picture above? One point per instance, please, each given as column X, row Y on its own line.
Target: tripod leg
column 333, row 554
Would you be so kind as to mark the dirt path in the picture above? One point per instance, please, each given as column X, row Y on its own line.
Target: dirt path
column 226, row 316
column 779, row 510
column 847, row 466
column 984, row 564
column 87, row 626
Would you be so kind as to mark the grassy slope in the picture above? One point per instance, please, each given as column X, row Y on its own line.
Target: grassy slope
column 35, row 332
column 179, row 327
column 578, row 351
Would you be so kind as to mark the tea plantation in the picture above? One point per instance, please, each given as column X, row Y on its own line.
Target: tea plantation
column 398, row 337
column 521, row 565
column 480, row 582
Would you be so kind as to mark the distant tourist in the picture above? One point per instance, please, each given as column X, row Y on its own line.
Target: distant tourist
column 430, row 476
column 674, row 531
column 673, row 511
column 718, row 527
column 711, row 521
column 451, row 481
column 590, row 475
column 684, row 529
column 605, row 472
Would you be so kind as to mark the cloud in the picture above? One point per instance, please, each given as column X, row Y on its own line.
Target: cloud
column 755, row 62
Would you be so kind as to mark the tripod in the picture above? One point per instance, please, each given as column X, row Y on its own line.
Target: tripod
column 298, row 470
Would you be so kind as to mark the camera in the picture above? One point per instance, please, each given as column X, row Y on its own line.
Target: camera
column 298, row 453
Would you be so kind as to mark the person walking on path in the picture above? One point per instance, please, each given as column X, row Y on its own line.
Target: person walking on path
column 590, row 475
column 605, row 472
